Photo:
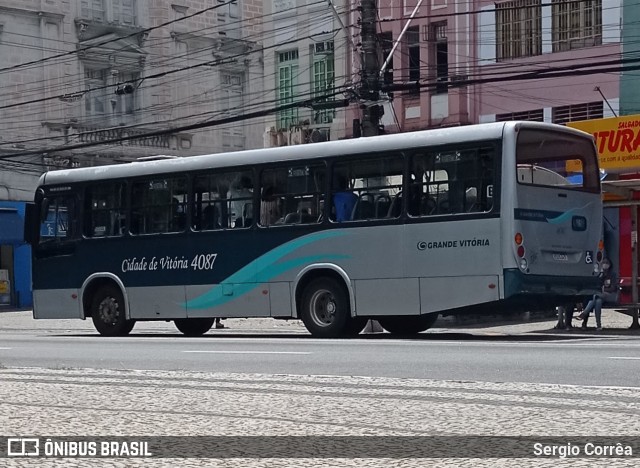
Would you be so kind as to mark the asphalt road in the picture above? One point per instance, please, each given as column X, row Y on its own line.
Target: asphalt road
column 441, row 355
column 448, row 388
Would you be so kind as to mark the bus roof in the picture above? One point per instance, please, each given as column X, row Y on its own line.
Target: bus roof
column 397, row 141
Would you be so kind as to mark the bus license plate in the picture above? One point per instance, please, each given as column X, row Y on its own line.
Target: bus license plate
column 560, row 257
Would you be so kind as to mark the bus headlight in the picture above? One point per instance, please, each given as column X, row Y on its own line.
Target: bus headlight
column 524, row 264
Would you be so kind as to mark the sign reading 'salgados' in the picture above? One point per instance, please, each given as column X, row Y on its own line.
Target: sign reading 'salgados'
column 617, row 140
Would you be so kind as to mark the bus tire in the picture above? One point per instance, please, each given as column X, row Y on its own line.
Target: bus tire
column 408, row 324
column 108, row 313
column 325, row 308
column 194, row 326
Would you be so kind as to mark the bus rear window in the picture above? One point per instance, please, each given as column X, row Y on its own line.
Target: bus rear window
column 556, row 159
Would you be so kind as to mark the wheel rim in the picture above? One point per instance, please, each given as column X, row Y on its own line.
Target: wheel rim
column 323, row 308
column 109, row 310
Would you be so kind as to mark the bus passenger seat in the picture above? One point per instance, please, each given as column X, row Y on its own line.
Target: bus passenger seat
column 396, row 206
column 292, row 218
column 364, row 208
column 209, row 217
column 383, row 202
column 471, row 200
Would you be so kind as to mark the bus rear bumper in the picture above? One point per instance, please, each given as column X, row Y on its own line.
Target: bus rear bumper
column 517, row 284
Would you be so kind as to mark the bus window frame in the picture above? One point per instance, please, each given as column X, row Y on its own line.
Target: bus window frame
column 55, row 245
column 191, row 200
column 84, row 213
column 322, row 194
column 354, row 158
column 148, row 178
column 496, row 146
column 573, row 156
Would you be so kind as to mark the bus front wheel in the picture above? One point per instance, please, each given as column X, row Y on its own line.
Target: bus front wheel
column 194, row 326
column 408, row 324
column 108, row 314
column 325, row 308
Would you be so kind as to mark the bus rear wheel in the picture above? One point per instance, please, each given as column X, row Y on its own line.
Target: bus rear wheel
column 408, row 324
column 108, row 314
column 194, row 326
column 325, row 308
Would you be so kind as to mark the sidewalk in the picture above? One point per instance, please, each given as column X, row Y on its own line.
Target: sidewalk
column 614, row 323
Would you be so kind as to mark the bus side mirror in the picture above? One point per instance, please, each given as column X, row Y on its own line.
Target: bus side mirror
column 31, row 223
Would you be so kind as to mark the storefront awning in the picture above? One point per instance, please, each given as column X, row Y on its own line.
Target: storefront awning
column 620, row 192
column 11, row 226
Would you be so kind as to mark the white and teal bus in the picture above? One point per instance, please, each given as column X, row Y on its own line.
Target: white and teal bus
column 399, row 228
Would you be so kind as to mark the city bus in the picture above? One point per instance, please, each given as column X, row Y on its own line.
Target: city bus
column 397, row 228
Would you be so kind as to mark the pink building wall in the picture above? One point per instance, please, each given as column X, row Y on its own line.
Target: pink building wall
column 471, row 39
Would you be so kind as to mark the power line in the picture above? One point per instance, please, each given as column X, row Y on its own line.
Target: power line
column 184, row 128
column 100, row 44
column 560, row 72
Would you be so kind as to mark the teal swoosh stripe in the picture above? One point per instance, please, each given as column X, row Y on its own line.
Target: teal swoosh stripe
column 566, row 216
column 264, row 267
column 547, row 216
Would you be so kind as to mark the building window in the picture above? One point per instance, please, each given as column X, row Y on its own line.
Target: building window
column 287, row 81
column 323, row 80
column 95, row 100
column 519, row 29
column 124, row 12
column 591, row 110
column 92, row 10
column 112, row 11
column 576, row 24
column 386, row 44
column 125, row 104
column 535, row 115
column 229, row 19
column 102, row 98
column 413, row 48
column 440, row 51
column 232, row 105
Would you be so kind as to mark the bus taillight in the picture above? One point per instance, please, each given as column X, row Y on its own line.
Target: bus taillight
column 520, row 251
column 600, row 253
column 518, row 238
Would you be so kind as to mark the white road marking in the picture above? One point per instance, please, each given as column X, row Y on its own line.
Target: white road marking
column 6, row 348
column 626, row 358
column 249, row 352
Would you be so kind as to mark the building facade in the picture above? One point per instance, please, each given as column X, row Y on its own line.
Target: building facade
column 458, row 63
column 306, row 53
column 90, row 71
column 93, row 82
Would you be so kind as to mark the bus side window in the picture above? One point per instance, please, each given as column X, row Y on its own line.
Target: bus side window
column 374, row 190
column 104, row 207
column 58, row 219
column 292, row 194
column 222, row 200
column 455, row 180
column 158, row 206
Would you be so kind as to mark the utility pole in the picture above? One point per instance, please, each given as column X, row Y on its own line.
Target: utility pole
column 370, row 87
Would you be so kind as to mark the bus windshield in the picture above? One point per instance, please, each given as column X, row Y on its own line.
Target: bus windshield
column 552, row 158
